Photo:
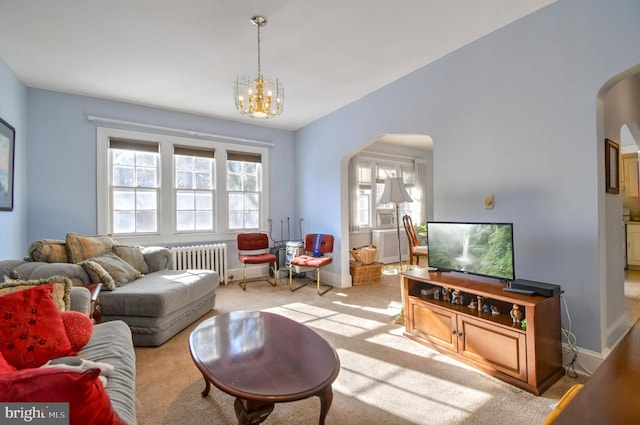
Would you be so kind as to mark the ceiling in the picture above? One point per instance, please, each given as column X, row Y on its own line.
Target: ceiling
column 184, row 55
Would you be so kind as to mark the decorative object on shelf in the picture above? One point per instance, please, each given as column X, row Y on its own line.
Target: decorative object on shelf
column 611, row 161
column 436, row 295
column 455, row 297
column 494, row 310
column 479, row 303
column 523, row 325
column 257, row 95
column 472, row 304
column 486, row 308
column 516, row 314
column 7, row 149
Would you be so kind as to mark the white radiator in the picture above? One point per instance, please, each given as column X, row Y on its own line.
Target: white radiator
column 201, row 257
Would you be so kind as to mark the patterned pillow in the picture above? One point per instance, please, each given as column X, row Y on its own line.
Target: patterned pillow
column 49, row 251
column 98, row 274
column 31, row 330
column 61, row 289
column 119, row 270
column 133, row 256
column 82, row 248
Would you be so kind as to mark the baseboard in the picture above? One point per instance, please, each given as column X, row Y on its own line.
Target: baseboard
column 587, row 361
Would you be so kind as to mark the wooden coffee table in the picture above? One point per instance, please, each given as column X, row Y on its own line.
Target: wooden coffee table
column 263, row 358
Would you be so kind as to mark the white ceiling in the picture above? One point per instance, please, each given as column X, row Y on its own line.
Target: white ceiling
column 184, row 55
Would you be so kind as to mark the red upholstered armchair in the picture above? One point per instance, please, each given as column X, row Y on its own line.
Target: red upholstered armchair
column 319, row 251
column 253, row 248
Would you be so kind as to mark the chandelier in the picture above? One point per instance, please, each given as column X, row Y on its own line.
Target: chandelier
column 257, row 95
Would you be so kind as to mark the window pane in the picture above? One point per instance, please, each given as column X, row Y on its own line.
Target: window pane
column 123, row 157
column 251, row 220
column 234, row 182
column 184, row 162
column 203, row 181
column 204, row 201
column 204, row 220
column 146, row 159
column 184, row 200
column 146, row 200
column 124, row 176
column 146, row 221
column 147, row 177
column 250, row 183
column 124, row 222
column 204, row 164
column 235, row 220
column 236, row 202
column 184, row 180
column 251, row 201
column 234, row 166
column 124, row 199
column 185, row 220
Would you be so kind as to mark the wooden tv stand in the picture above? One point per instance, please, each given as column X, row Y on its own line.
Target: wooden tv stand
column 530, row 359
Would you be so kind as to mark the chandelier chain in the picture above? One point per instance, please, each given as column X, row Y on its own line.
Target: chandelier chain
column 259, row 71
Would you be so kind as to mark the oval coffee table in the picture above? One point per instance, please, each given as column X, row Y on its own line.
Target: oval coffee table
column 261, row 359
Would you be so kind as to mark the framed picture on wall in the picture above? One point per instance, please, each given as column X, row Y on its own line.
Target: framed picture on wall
column 611, row 164
column 7, row 146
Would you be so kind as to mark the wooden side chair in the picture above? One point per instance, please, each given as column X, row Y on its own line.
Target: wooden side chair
column 318, row 253
column 415, row 249
column 253, row 248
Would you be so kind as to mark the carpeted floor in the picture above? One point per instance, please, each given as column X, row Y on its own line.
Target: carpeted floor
column 385, row 378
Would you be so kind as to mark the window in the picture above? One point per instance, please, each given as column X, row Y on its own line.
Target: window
column 195, row 188
column 166, row 189
column 244, row 186
column 134, row 186
column 369, row 212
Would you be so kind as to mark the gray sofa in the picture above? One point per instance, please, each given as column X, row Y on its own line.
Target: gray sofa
column 156, row 306
column 111, row 343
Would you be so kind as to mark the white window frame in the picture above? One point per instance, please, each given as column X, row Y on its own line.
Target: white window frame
column 166, row 213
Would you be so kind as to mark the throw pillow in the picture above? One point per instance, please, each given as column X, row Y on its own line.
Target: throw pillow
column 78, row 327
column 4, row 366
column 61, row 289
column 31, row 330
column 133, row 256
column 120, row 271
column 87, row 398
column 49, row 251
column 98, row 274
column 80, row 247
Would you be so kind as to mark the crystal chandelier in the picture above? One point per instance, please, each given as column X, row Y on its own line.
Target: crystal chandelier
column 257, row 95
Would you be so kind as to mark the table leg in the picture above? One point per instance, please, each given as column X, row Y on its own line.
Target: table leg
column 326, row 398
column 251, row 412
column 207, row 386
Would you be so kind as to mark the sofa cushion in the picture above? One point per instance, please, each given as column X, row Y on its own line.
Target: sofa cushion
column 87, row 398
column 48, row 251
column 159, row 293
column 133, row 256
column 118, row 269
column 78, row 327
column 31, row 330
column 61, row 289
column 81, row 247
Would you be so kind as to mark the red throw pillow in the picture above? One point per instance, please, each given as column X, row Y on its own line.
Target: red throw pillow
column 31, row 330
column 4, row 366
column 87, row 398
column 78, row 327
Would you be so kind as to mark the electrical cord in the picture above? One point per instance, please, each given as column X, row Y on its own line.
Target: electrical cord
column 572, row 346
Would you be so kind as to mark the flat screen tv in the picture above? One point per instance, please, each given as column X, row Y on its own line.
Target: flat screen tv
column 484, row 249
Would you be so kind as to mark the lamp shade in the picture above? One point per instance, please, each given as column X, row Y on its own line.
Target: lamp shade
column 394, row 191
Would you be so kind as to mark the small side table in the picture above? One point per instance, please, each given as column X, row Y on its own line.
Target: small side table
column 95, row 313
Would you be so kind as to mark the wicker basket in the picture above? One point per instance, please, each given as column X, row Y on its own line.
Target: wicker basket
column 365, row 254
column 362, row 274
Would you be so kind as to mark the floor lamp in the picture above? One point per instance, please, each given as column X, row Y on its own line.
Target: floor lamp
column 395, row 192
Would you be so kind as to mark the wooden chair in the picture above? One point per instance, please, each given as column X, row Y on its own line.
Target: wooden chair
column 319, row 251
column 415, row 249
column 253, row 248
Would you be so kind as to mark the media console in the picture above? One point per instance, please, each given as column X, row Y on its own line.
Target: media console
column 528, row 357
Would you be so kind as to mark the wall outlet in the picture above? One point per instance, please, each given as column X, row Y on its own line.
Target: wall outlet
column 488, row 202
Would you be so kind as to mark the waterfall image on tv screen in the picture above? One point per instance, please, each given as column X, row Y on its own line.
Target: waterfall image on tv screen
column 479, row 248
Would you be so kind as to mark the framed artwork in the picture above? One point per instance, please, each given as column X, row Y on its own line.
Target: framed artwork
column 611, row 164
column 7, row 147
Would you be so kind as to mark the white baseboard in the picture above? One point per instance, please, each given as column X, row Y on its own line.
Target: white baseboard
column 587, row 361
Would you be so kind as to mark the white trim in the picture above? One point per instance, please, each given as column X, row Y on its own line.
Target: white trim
column 192, row 133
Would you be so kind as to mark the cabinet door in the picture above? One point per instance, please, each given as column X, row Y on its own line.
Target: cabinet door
column 633, row 244
column 434, row 324
column 493, row 347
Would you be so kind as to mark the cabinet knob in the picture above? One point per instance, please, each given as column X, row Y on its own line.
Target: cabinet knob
column 459, row 333
column 453, row 332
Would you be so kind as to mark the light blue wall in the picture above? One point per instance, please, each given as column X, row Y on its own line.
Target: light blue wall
column 512, row 115
column 62, row 158
column 13, row 109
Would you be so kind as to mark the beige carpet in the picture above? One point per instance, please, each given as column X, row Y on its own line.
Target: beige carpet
column 385, row 378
